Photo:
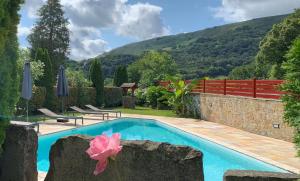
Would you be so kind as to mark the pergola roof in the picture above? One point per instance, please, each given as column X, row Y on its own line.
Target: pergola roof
column 128, row 85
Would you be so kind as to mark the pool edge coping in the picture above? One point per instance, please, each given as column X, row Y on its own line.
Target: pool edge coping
column 231, row 147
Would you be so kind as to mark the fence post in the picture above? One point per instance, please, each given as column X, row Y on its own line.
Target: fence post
column 203, row 85
column 254, row 87
column 225, row 87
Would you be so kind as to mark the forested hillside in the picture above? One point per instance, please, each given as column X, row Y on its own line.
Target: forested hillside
column 211, row 52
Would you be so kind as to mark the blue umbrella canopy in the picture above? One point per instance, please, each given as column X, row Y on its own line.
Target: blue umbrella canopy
column 62, row 83
column 27, row 85
column 27, row 82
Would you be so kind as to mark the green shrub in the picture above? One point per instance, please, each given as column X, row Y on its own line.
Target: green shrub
column 181, row 99
column 37, row 101
column 140, row 97
column 77, row 97
column 291, row 100
column 153, row 93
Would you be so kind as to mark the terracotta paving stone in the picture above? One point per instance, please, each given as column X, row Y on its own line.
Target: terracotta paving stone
column 276, row 152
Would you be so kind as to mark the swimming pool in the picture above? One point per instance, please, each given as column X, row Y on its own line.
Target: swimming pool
column 217, row 159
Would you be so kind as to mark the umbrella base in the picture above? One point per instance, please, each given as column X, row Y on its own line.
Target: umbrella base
column 62, row 120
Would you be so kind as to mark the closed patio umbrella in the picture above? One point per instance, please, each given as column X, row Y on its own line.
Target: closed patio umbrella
column 27, row 85
column 62, row 86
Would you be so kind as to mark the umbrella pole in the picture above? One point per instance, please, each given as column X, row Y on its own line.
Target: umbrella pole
column 27, row 110
column 62, row 105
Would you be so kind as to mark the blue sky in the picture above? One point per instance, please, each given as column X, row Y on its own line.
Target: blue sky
column 101, row 25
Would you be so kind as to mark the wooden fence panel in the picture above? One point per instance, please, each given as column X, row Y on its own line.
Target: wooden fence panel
column 268, row 89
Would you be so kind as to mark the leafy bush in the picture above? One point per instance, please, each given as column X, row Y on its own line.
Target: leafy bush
column 37, row 101
column 181, row 99
column 77, row 97
column 140, row 97
column 153, row 94
column 292, row 87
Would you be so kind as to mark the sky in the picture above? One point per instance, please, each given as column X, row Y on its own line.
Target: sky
column 98, row 26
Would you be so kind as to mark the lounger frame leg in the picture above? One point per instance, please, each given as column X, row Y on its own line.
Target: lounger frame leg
column 75, row 122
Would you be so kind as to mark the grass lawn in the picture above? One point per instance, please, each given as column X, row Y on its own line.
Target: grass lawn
column 147, row 111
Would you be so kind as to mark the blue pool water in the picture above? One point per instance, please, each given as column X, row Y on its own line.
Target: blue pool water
column 217, row 159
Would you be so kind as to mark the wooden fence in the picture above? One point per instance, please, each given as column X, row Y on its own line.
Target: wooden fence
column 249, row 88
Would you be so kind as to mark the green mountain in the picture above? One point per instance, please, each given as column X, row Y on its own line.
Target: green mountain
column 210, row 52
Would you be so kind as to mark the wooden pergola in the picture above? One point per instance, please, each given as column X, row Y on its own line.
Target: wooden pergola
column 127, row 86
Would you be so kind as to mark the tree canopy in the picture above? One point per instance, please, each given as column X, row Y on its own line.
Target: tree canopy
column 275, row 45
column 121, row 76
column 292, row 87
column 51, row 33
column 153, row 66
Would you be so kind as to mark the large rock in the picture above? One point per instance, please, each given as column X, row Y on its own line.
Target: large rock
column 250, row 175
column 18, row 161
column 138, row 161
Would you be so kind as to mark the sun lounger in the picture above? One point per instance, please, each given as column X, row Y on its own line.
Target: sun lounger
column 104, row 110
column 27, row 124
column 89, row 112
column 51, row 114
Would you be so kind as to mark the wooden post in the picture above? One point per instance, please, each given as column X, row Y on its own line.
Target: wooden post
column 203, row 85
column 225, row 87
column 254, row 87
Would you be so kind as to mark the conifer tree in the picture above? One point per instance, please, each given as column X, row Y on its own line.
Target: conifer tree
column 51, row 33
column 48, row 80
column 121, row 76
column 96, row 77
column 9, row 20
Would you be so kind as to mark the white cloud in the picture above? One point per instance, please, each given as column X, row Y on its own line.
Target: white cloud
column 32, row 6
column 85, row 42
column 142, row 21
column 23, row 31
column 240, row 10
column 89, row 17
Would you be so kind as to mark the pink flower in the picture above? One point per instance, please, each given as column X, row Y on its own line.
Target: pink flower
column 103, row 147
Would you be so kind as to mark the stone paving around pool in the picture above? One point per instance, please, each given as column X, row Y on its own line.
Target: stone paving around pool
column 276, row 152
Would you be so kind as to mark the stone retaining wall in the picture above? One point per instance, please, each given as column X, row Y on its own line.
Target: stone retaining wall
column 250, row 114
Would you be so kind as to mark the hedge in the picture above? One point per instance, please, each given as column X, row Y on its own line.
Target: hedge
column 78, row 97
column 113, row 96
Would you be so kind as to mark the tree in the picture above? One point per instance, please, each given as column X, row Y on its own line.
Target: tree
column 121, row 76
column 51, row 33
column 291, row 100
column 243, row 72
column 97, row 79
column 276, row 43
column 153, row 67
column 37, row 67
column 47, row 80
column 9, row 20
column 77, row 80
